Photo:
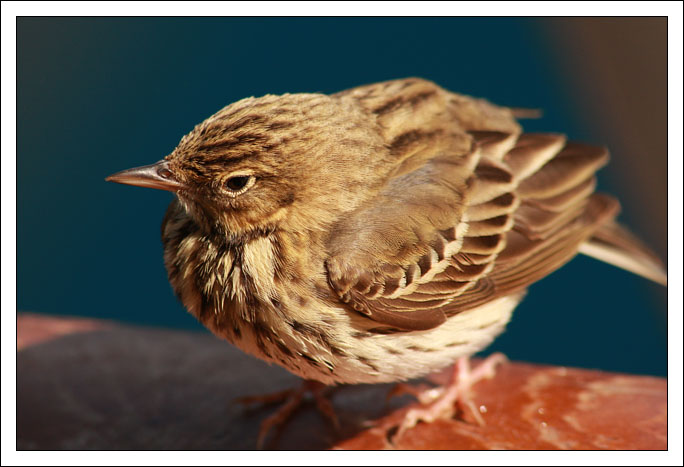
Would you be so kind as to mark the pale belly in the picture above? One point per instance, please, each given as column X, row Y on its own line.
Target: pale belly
column 347, row 356
column 399, row 357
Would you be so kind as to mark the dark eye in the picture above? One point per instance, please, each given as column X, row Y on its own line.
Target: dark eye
column 238, row 183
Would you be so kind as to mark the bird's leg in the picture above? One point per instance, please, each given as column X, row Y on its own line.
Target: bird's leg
column 291, row 400
column 424, row 393
column 440, row 402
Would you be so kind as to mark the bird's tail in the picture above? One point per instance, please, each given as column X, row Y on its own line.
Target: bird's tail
column 614, row 244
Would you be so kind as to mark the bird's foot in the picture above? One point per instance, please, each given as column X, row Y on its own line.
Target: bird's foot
column 291, row 400
column 440, row 402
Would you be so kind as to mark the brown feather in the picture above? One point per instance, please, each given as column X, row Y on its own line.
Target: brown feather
column 616, row 245
column 538, row 259
column 492, row 208
column 494, row 144
column 564, row 200
column 528, row 210
column 484, row 211
column 531, row 152
column 573, row 165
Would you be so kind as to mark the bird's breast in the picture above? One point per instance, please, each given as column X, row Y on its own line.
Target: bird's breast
column 242, row 294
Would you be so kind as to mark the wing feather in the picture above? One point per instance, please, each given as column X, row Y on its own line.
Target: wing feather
column 455, row 229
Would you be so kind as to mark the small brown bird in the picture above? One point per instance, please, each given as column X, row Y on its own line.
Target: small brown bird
column 378, row 234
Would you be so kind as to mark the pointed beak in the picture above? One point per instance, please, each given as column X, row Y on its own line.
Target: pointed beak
column 157, row 176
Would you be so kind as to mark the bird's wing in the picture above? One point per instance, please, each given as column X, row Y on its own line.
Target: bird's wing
column 464, row 229
column 557, row 210
column 402, row 237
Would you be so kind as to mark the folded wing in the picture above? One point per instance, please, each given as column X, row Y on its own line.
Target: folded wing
column 460, row 225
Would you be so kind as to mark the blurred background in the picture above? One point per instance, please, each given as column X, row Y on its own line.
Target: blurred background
column 98, row 95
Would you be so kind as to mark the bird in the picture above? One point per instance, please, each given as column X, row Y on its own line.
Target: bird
column 377, row 234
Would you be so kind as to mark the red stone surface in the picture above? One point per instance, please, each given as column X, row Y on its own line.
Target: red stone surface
column 536, row 407
column 85, row 384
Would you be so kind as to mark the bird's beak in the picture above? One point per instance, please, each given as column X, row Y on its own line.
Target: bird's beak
column 157, row 176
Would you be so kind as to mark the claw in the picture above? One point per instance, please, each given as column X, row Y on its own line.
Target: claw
column 326, row 408
column 280, row 417
column 292, row 400
column 441, row 402
column 422, row 392
column 264, row 399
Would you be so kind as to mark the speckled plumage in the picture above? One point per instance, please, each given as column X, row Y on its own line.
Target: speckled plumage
column 377, row 234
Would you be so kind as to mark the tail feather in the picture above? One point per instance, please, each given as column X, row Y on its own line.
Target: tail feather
column 614, row 244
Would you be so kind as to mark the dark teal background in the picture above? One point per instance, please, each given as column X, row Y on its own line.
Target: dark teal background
column 98, row 95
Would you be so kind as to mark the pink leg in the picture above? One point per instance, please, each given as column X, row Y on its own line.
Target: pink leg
column 440, row 402
column 292, row 400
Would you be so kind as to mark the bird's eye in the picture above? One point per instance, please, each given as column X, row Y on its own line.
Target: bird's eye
column 238, row 183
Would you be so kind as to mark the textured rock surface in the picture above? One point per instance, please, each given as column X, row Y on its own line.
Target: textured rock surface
column 92, row 385
column 540, row 407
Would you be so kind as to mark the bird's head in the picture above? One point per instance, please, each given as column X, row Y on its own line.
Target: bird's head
column 293, row 161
